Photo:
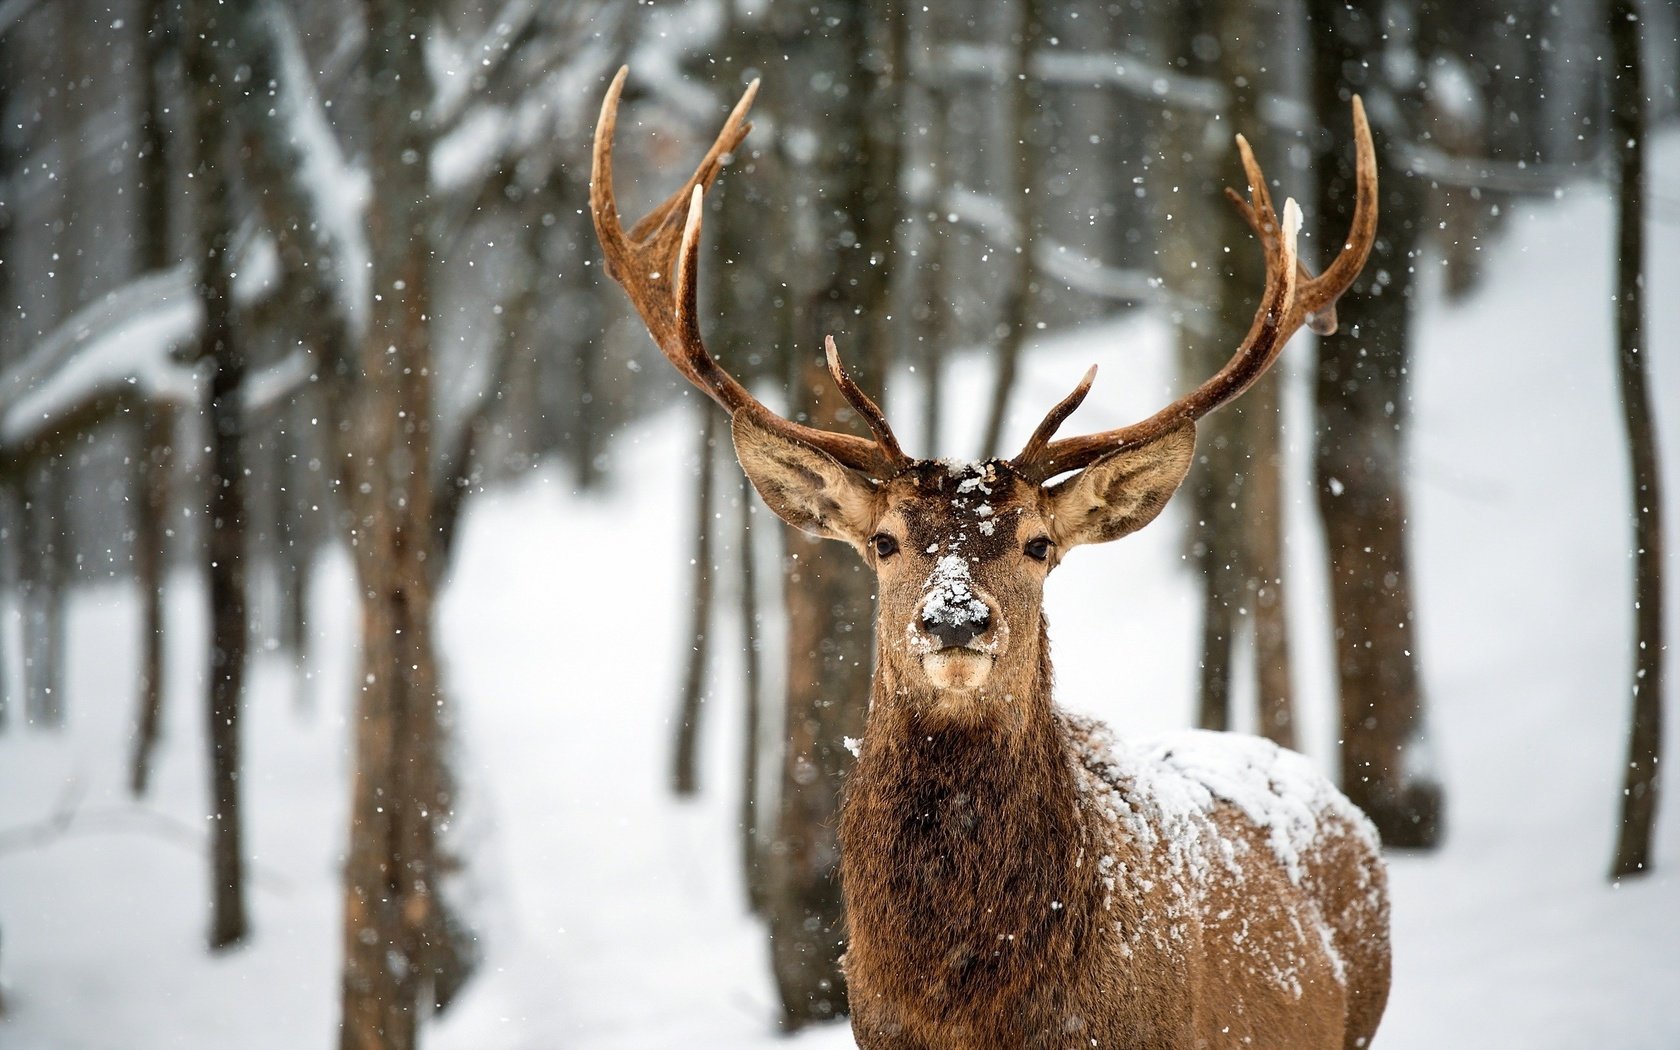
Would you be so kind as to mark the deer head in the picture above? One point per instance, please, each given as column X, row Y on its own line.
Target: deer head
column 960, row 551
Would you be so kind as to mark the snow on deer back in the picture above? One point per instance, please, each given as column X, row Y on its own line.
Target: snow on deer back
column 1194, row 829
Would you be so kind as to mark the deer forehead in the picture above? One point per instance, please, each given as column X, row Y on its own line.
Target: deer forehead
column 969, row 509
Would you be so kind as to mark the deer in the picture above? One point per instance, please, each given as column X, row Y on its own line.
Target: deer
column 1013, row 874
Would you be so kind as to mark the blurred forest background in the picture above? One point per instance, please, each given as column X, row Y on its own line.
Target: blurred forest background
column 285, row 279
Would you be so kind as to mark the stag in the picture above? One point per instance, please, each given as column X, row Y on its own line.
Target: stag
column 1014, row 876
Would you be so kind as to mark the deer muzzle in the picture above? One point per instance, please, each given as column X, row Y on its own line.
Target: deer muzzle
column 957, row 629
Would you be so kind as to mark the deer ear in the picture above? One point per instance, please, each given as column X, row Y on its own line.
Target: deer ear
column 1122, row 492
column 806, row 487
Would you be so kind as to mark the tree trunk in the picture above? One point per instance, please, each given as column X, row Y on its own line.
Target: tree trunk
column 1024, row 102
column 1362, row 408
column 1267, row 563
column 845, row 251
column 42, row 537
column 753, row 834
column 685, row 774
column 398, row 937
column 11, row 499
column 9, row 541
column 151, row 558
column 929, row 307
column 740, row 303
column 297, row 507
column 1211, row 264
column 1243, row 67
column 225, row 541
column 155, row 437
column 1641, row 782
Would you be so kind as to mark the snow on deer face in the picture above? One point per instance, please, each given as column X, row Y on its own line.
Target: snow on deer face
column 960, row 553
column 961, row 550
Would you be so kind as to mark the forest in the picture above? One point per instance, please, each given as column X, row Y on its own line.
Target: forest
column 393, row 651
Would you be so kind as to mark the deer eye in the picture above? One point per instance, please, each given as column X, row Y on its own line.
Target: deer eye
column 1038, row 548
column 885, row 546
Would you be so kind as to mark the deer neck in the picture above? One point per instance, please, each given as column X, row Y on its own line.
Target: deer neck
column 967, row 830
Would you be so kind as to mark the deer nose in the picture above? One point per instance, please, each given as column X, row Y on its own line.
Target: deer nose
column 957, row 631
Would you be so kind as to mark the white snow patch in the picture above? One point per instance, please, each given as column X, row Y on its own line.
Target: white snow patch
column 951, row 599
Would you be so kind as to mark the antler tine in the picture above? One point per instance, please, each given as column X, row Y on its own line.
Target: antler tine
column 643, row 257
column 1258, row 191
column 657, row 264
column 1316, row 300
column 1320, row 293
column 1053, row 420
column 603, row 206
column 1263, row 221
column 734, row 130
column 868, row 409
column 1281, row 312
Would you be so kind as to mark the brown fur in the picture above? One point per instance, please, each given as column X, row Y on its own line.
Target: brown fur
column 992, row 900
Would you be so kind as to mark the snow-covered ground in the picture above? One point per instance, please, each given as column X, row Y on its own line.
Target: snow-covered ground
column 615, row 916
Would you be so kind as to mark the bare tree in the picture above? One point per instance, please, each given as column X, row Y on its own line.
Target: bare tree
column 926, row 284
column 1243, row 66
column 156, row 421
column 754, row 832
column 43, row 532
column 1023, row 99
column 1362, row 408
column 225, row 546
column 841, row 277
column 151, row 556
column 1212, row 278
column 1641, row 779
column 685, row 776
column 392, row 881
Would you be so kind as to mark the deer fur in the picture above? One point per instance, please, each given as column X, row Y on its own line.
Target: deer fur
column 1013, row 876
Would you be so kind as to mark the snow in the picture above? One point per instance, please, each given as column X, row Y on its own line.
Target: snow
column 128, row 338
column 1184, row 776
column 1162, row 795
column 950, row 595
column 618, row 920
column 144, row 294
column 338, row 190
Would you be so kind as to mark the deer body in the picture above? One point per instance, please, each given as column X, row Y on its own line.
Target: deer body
column 1013, row 876
column 1069, row 893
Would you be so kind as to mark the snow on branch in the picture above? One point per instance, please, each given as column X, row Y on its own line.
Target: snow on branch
column 136, row 343
column 1083, row 274
column 519, row 88
column 1120, row 70
column 312, row 198
column 12, row 12
column 1519, row 177
column 42, row 172
column 335, row 190
column 462, row 74
column 1149, row 80
column 1075, row 269
column 268, row 388
column 674, row 32
column 123, row 344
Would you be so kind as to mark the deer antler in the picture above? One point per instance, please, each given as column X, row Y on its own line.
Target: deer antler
column 1292, row 297
column 666, row 242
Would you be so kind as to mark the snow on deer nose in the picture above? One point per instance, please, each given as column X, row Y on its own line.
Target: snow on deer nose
column 953, row 614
